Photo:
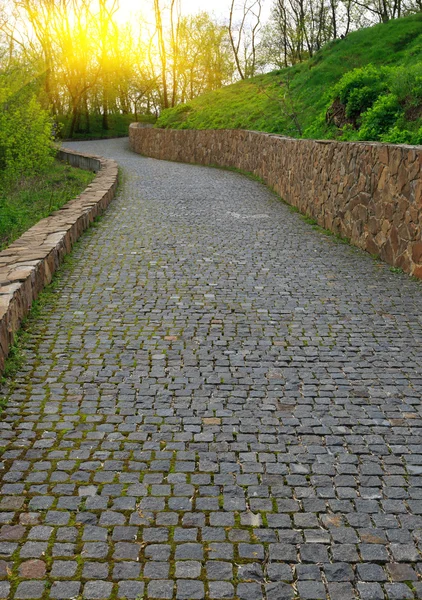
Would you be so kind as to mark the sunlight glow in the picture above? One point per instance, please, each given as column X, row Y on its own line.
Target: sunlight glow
column 219, row 8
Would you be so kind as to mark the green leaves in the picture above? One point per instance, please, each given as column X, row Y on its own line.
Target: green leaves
column 380, row 103
column 358, row 89
column 25, row 136
column 378, row 119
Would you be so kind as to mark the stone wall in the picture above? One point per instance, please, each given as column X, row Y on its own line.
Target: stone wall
column 369, row 193
column 28, row 264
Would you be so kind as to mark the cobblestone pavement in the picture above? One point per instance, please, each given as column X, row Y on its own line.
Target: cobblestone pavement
column 223, row 403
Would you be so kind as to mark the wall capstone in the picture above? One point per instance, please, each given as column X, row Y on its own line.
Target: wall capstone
column 28, row 264
column 369, row 193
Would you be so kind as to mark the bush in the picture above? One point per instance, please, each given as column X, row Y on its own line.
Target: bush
column 406, row 84
column 357, row 90
column 25, row 136
column 380, row 104
column 380, row 118
column 359, row 100
column 395, row 135
column 349, row 134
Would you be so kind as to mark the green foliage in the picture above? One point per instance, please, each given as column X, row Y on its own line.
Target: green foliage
column 383, row 103
column 358, row 89
column 374, row 62
column 378, row 119
column 403, row 40
column 406, row 84
column 359, row 100
column 25, row 135
column 395, row 135
column 37, row 197
column 348, row 133
column 118, row 126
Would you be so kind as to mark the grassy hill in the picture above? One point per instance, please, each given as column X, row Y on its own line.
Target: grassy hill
column 295, row 101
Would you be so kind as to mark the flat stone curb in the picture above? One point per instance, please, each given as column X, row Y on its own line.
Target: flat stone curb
column 29, row 263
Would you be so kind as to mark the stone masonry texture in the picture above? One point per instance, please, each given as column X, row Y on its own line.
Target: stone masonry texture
column 220, row 403
column 369, row 193
column 28, row 264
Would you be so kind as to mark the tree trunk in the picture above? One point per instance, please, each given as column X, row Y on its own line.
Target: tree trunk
column 87, row 117
column 75, row 115
column 334, row 18
column 162, row 49
column 105, row 123
column 233, row 45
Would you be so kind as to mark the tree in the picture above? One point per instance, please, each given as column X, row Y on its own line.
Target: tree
column 244, row 36
column 162, row 51
column 108, row 51
column 298, row 28
column 205, row 61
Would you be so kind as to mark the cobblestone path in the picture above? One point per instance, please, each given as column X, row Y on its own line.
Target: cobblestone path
column 223, row 403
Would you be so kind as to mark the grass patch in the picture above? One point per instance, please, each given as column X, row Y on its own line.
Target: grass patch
column 14, row 362
column 37, row 197
column 266, row 102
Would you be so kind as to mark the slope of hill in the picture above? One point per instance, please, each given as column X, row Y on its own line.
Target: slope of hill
column 350, row 78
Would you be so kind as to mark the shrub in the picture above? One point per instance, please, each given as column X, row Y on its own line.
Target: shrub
column 177, row 114
column 381, row 117
column 395, row 135
column 406, row 84
column 381, row 103
column 359, row 100
column 25, row 135
column 357, row 90
column 349, row 134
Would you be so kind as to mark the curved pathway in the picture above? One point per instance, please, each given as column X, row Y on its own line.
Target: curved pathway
column 222, row 403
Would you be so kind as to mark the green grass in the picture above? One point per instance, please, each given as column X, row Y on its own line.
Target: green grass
column 258, row 103
column 36, row 198
column 118, row 126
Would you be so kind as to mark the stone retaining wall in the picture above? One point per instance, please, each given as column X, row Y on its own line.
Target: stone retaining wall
column 369, row 193
column 28, row 264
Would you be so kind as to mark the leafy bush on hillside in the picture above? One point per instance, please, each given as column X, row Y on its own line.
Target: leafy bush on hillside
column 395, row 135
column 25, row 135
column 406, row 84
column 380, row 118
column 357, row 90
column 379, row 104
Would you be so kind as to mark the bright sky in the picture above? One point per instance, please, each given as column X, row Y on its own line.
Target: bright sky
column 220, row 8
